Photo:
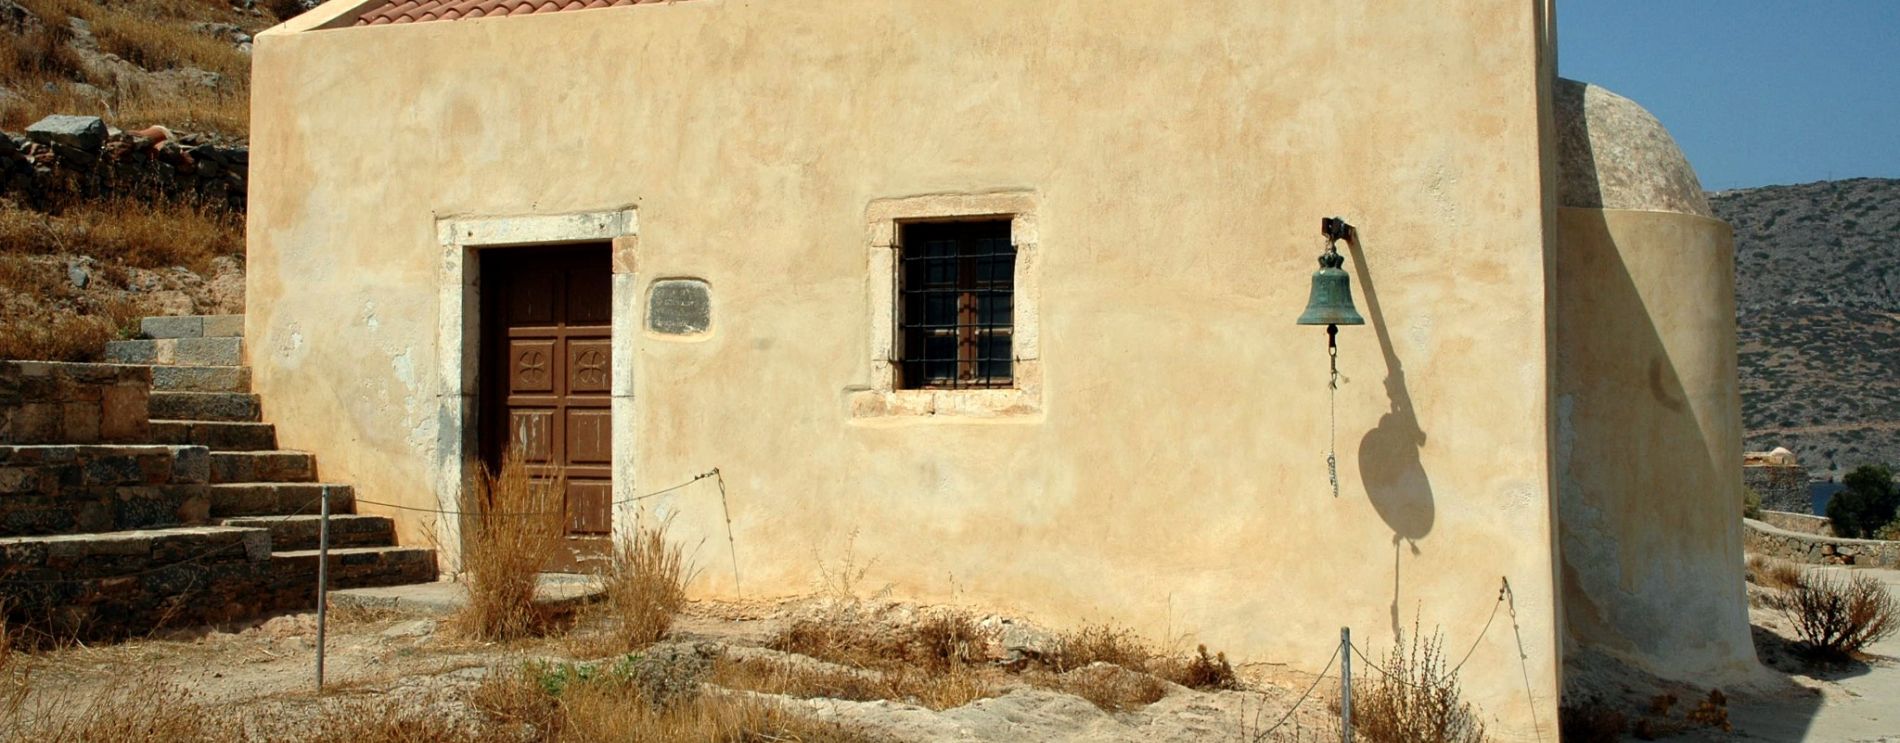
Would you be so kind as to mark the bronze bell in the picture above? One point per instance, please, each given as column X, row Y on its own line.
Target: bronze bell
column 1331, row 302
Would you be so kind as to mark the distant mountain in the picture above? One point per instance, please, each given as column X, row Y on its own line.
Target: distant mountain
column 1818, row 310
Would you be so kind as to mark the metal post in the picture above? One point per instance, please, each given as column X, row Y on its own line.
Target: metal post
column 1345, row 684
column 323, row 580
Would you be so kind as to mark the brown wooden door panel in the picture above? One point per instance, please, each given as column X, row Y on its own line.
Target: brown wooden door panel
column 548, row 377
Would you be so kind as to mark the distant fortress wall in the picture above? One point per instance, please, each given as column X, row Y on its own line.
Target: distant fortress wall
column 1781, row 481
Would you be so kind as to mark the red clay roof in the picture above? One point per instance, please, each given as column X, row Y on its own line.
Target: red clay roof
column 417, row 11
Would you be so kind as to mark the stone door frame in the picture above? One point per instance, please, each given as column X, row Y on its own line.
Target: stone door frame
column 458, row 344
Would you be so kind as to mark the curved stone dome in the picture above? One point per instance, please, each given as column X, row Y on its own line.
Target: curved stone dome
column 1612, row 154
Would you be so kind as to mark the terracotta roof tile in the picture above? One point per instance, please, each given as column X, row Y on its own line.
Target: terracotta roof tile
column 420, row 11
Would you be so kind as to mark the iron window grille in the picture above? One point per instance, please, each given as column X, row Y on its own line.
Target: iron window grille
column 956, row 289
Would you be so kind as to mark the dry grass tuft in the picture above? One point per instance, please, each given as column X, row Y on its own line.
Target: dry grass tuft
column 123, row 230
column 49, row 75
column 1591, row 721
column 1122, row 647
column 615, row 706
column 513, row 529
column 937, row 642
column 1838, row 616
column 1410, row 697
column 15, row 679
column 938, row 690
column 645, row 587
column 67, row 337
column 1772, row 573
column 1111, row 667
column 1108, row 687
column 43, row 317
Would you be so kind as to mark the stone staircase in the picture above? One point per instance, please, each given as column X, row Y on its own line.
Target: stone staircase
column 201, row 396
column 113, row 512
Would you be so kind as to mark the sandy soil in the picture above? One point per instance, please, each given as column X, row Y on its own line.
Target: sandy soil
column 403, row 660
column 397, row 659
column 1853, row 703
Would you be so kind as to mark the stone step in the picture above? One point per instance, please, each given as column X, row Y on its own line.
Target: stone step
column 201, row 379
column 226, row 351
column 215, row 435
column 100, row 488
column 301, row 532
column 277, row 498
column 262, row 466
column 356, row 567
column 205, row 406
column 193, row 326
column 122, row 583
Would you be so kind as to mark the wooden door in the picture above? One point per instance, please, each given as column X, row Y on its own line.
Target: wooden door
column 547, row 378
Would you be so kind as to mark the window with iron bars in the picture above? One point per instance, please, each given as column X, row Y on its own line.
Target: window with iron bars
column 956, row 289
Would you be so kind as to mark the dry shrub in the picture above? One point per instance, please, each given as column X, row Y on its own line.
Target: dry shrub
column 512, row 527
column 152, row 34
column 935, row 690
column 43, row 317
column 15, row 678
column 135, row 708
column 41, row 53
column 1410, row 697
column 1101, row 644
column 1837, row 616
column 1108, row 687
column 612, row 706
column 1105, row 644
column 1772, row 573
column 378, row 721
column 66, row 337
column 937, row 660
column 1712, row 712
column 1202, row 671
column 1592, row 721
column 137, row 233
column 1111, row 667
column 938, row 642
column 43, row 69
column 645, row 587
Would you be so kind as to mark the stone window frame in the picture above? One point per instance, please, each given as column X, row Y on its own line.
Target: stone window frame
column 458, row 343
column 883, row 221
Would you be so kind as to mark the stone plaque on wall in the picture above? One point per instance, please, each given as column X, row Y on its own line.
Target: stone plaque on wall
column 679, row 307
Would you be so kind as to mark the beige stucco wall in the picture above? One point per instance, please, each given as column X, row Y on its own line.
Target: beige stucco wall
column 1181, row 156
column 1649, row 442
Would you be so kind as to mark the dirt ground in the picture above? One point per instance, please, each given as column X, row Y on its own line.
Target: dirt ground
column 1857, row 702
column 402, row 660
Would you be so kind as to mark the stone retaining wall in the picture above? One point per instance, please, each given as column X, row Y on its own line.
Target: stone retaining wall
column 63, row 157
column 1765, row 539
column 1820, row 526
column 130, row 582
column 69, row 489
column 43, row 402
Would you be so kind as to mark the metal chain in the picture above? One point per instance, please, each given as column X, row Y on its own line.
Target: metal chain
column 1332, row 410
column 1330, row 660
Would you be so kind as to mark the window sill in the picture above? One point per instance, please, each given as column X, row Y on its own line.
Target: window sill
column 918, row 404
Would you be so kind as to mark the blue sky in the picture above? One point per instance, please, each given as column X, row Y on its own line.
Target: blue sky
column 1757, row 92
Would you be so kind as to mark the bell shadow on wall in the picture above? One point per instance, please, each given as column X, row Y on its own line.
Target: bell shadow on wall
column 1389, row 465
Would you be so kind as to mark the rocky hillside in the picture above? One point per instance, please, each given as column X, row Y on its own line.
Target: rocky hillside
column 1818, row 310
column 122, row 162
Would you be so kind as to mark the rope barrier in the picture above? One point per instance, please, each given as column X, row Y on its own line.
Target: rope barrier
column 1461, row 662
column 1262, row 735
column 655, row 494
